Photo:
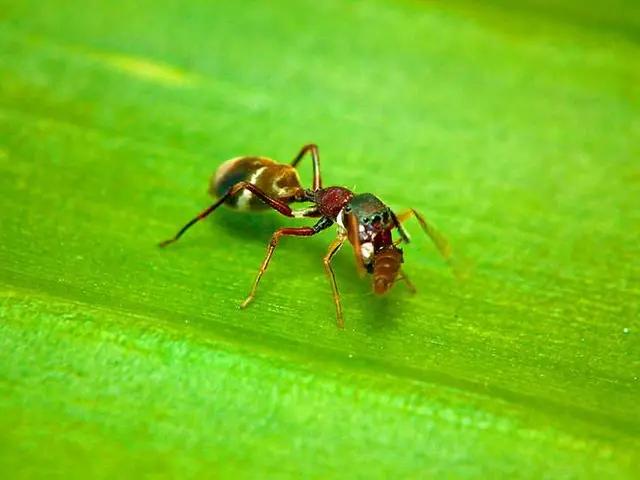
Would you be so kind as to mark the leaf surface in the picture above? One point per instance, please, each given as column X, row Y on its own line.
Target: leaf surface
column 514, row 131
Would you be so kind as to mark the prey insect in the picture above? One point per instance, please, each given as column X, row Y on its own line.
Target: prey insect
column 254, row 183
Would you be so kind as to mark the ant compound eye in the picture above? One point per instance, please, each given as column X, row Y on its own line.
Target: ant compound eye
column 365, row 219
column 376, row 218
column 347, row 209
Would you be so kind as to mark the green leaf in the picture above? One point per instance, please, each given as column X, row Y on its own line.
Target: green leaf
column 513, row 130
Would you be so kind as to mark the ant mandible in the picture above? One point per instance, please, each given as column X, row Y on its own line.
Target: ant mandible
column 255, row 183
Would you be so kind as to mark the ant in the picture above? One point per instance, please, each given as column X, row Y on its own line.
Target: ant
column 255, row 183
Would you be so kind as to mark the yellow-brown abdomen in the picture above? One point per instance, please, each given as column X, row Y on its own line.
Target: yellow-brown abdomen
column 386, row 267
column 276, row 180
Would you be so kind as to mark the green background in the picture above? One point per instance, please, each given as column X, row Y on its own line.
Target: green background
column 515, row 129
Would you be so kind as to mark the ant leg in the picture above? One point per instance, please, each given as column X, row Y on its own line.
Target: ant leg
column 398, row 223
column 315, row 156
column 357, row 248
column 296, row 232
column 408, row 282
column 281, row 207
column 436, row 237
column 333, row 249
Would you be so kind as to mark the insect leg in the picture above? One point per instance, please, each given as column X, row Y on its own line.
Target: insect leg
column 398, row 223
column 315, row 156
column 352, row 222
column 436, row 237
column 409, row 283
column 333, row 249
column 277, row 205
column 296, row 232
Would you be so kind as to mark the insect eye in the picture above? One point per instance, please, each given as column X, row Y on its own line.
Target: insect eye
column 347, row 209
column 365, row 220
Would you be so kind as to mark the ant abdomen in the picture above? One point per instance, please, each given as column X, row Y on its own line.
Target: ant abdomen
column 386, row 268
column 277, row 180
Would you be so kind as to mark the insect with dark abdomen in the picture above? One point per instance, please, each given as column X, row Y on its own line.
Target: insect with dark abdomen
column 253, row 183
